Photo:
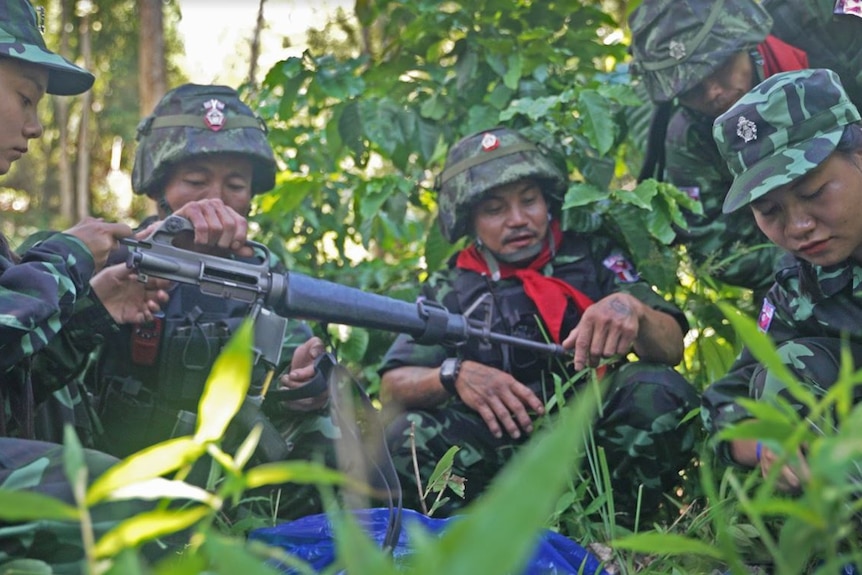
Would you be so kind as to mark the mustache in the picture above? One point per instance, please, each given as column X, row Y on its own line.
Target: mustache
column 519, row 235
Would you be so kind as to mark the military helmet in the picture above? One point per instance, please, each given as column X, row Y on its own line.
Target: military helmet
column 21, row 39
column 779, row 131
column 195, row 120
column 678, row 43
column 486, row 160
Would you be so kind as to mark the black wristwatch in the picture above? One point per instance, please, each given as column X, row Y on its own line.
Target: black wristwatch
column 449, row 374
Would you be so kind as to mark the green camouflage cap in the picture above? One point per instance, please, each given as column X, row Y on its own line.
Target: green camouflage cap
column 195, row 120
column 486, row 160
column 678, row 43
column 21, row 39
column 782, row 129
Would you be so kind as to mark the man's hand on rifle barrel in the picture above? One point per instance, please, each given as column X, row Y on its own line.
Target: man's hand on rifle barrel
column 301, row 371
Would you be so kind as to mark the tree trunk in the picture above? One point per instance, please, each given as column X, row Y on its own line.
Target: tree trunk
column 151, row 56
column 83, row 184
column 255, row 45
column 61, row 114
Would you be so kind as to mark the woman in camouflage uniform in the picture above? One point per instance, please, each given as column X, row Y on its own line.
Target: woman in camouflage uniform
column 794, row 146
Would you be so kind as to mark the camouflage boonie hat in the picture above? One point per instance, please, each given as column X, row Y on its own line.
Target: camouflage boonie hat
column 195, row 120
column 782, row 129
column 20, row 38
column 678, row 43
column 486, row 160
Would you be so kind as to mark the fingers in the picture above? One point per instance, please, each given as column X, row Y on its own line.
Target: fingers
column 501, row 401
column 217, row 226
column 607, row 328
column 100, row 237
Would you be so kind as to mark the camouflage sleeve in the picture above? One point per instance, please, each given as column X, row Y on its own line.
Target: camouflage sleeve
column 38, row 295
column 68, row 354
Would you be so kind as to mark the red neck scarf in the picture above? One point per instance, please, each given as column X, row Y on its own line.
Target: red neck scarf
column 551, row 295
column 779, row 56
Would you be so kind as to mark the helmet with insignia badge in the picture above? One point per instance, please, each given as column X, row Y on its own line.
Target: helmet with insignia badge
column 194, row 120
column 678, row 43
column 486, row 160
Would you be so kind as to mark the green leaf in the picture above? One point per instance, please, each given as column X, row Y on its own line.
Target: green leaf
column 444, row 465
column 599, row 126
column 226, row 387
column 307, row 472
column 541, row 468
column 513, row 73
column 582, row 195
column 17, row 506
column 146, row 527
column 666, row 544
column 154, row 461
column 73, row 461
column 230, row 556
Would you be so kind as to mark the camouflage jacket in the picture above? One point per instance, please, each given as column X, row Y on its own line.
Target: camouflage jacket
column 806, row 301
column 582, row 261
column 47, row 315
column 694, row 164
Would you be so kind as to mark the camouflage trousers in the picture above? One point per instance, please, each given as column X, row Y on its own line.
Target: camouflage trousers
column 38, row 467
column 639, row 428
column 815, row 361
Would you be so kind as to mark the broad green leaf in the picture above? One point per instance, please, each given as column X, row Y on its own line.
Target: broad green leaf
column 443, row 466
column 146, row 527
column 641, row 196
column 533, row 108
column 226, row 387
column 154, row 461
column 666, row 544
column 17, row 506
column 599, row 126
column 26, row 567
column 583, row 194
column 513, row 73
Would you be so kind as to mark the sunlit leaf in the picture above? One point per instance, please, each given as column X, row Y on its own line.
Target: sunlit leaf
column 226, row 386
column 145, row 527
column 666, row 544
column 293, row 472
column 154, row 461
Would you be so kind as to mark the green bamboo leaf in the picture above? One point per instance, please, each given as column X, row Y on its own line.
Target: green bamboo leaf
column 17, row 506
column 226, row 387
column 666, row 544
column 146, row 527
column 160, row 488
column 73, row 460
column 307, row 472
column 154, row 461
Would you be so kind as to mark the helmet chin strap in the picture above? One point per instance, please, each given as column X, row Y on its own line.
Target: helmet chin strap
column 163, row 205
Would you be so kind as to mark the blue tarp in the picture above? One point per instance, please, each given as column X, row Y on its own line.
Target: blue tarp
column 311, row 539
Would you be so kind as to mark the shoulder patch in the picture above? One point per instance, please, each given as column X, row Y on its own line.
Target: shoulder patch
column 622, row 267
column 764, row 320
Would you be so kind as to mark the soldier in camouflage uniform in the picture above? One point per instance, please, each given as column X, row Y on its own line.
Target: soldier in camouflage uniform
column 52, row 288
column 505, row 193
column 704, row 55
column 794, row 146
column 202, row 154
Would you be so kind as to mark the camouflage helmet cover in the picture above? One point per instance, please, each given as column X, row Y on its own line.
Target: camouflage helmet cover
column 678, row 43
column 486, row 160
column 782, row 129
column 21, row 39
column 194, row 120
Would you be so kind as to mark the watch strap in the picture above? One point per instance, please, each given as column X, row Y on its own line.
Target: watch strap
column 449, row 370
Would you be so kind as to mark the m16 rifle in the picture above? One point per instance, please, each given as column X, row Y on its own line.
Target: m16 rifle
column 295, row 295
